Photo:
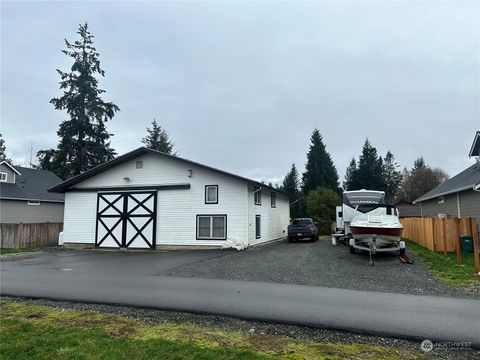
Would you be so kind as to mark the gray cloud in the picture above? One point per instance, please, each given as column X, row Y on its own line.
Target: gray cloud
column 241, row 86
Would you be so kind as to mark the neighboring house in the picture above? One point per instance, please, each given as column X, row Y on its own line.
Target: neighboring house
column 407, row 209
column 148, row 199
column 458, row 196
column 24, row 197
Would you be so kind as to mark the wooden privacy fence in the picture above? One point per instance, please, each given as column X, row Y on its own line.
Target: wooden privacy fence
column 29, row 235
column 437, row 234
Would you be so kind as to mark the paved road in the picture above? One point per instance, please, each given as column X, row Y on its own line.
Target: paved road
column 132, row 279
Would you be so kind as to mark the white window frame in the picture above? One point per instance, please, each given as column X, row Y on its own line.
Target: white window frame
column 3, row 177
column 207, row 187
column 33, row 203
column 211, row 237
column 257, row 192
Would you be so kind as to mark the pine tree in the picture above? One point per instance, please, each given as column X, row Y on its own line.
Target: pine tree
column 350, row 176
column 392, row 177
column 369, row 174
column 84, row 141
column 291, row 187
column 158, row 139
column 320, row 170
column 3, row 148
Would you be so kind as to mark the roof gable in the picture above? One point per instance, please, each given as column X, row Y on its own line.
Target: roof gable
column 10, row 166
column 460, row 182
column 475, row 149
column 136, row 153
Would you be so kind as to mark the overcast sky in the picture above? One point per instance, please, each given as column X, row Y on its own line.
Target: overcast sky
column 241, row 86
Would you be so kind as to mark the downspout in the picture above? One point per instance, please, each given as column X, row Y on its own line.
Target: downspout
column 421, row 210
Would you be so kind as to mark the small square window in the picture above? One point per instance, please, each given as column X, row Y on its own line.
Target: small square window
column 273, row 200
column 257, row 195
column 441, row 200
column 3, row 177
column 139, row 164
column 211, row 194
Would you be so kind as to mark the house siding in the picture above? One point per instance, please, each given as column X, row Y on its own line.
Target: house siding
column 18, row 211
column 176, row 209
column 10, row 173
column 273, row 221
column 433, row 208
column 469, row 205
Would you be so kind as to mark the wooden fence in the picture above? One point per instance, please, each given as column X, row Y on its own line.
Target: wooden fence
column 29, row 235
column 437, row 234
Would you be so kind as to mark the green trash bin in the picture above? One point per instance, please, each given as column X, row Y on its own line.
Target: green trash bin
column 466, row 243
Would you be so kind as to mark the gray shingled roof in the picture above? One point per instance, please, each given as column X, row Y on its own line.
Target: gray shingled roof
column 32, row 185
column 463, row 181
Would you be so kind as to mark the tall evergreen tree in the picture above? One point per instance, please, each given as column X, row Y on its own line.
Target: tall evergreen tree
column 319, row 170
column 369, row 174
column 291, row 187
column 350, row 176
column 84, row 141
column 391, row 176
column 3, row 149
column 158, row 139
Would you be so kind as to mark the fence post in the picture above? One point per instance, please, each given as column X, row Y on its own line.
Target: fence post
column 475, row 246
column 444, row 237
column 457, row 242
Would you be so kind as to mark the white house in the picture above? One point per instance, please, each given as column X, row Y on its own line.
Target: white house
column 148, row 199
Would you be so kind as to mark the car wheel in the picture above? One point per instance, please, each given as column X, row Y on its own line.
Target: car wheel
column 352, row 249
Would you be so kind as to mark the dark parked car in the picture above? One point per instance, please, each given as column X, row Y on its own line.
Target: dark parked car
column 302, row 228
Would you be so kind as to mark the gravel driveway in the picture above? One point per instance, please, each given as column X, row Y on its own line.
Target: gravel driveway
column 320, row 264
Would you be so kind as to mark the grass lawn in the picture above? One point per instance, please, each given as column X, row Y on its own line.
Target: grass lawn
column 5, row 251
column 446, row 269
column 40, row 332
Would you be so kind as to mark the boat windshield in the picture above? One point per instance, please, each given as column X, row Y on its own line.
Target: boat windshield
column 375, row 218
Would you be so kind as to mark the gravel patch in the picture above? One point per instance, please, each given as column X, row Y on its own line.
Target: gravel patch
column 321, row 264
column 232, row 324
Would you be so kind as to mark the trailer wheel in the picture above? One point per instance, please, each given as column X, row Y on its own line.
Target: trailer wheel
column 352, row 249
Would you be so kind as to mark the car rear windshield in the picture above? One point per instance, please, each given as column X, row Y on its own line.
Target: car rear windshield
column 302, row 222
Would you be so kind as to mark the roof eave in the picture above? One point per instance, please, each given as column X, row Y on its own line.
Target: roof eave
column 64, row 186
column 420, row 199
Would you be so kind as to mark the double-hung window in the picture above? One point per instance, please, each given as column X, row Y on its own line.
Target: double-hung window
column 257, row 195
column 211, row 194
column 211, row 227
column 3, row 177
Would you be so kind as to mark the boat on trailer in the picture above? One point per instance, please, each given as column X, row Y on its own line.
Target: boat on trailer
column 369, row 223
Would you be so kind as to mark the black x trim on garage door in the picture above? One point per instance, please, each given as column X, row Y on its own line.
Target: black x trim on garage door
column 126, row 219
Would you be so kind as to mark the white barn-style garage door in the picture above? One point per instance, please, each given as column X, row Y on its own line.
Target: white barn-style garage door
column 126, row 219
